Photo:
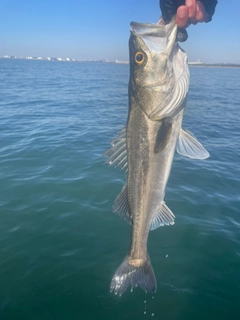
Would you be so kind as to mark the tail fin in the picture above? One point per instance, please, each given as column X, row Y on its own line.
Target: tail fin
column 128, row 274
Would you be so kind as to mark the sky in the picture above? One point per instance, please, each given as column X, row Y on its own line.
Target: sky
column 91, row 29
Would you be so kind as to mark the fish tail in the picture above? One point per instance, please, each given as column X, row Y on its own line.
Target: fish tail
column 134, row 272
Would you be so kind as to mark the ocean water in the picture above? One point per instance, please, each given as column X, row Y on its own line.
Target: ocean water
column 60, row 243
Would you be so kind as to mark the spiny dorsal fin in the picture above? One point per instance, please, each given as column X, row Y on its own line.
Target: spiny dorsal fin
column 188, row 146
column 117, row 154
column 163, row 217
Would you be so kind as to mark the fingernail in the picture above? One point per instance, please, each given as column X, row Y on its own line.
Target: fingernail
column 197, row 7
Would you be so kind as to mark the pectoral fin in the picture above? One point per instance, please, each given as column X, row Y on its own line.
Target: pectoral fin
column 188, row 146
column 164, row 217
column 163, row 136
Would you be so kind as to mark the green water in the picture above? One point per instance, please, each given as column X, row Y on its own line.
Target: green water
column 60, row 243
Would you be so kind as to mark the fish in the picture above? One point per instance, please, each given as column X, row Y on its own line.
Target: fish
column 145, row 147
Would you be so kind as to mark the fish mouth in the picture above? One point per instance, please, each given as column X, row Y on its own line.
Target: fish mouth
column 154, row 29
column 154, row 35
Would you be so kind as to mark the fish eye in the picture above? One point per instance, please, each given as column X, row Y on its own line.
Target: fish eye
column 139, row 58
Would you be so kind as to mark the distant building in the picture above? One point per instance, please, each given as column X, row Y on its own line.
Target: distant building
column 121, row 62
column 198, row 62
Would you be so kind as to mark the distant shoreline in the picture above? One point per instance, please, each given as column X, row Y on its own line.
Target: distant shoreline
column 214, row 65
column 53, row 59
column 191, row 64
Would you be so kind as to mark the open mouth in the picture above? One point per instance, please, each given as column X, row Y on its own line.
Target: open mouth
column 155, row 36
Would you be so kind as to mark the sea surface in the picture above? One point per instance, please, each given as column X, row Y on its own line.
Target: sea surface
column 60, row 242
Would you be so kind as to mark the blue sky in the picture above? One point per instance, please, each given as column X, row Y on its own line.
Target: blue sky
column 91, row 29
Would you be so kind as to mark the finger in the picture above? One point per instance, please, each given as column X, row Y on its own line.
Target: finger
column 201, row 14
column 191, row 4
column 182, row 17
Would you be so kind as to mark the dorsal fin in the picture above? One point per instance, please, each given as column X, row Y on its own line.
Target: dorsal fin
column 117, row 154
column 121, row 205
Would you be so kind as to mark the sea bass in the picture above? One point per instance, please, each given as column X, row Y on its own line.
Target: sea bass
column 158, row 87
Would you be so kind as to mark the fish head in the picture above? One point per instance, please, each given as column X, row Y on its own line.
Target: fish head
column 148, row 53
column 152, row 48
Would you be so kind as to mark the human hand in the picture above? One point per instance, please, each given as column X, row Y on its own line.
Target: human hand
column 191, row 13
column 187, row 11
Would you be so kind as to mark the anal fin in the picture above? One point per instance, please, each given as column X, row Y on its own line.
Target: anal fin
column 164, row 217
